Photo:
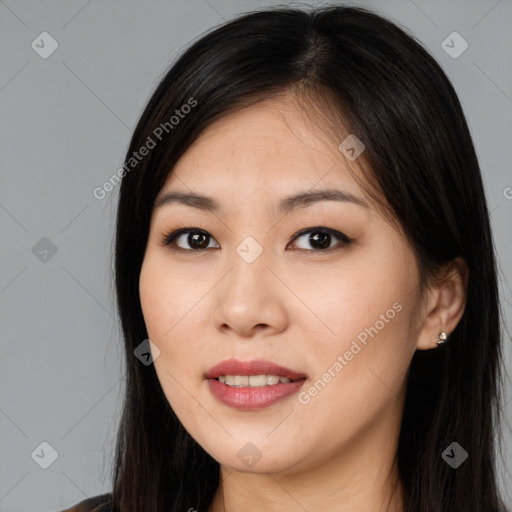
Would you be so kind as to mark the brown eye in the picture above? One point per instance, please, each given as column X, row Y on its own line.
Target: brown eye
column 320, row 239
column 192, row 239
column 197, row 240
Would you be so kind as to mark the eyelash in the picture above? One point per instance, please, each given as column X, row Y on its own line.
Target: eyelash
column 168, row 240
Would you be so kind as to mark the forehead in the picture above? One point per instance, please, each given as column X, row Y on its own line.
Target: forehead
column 264, row 151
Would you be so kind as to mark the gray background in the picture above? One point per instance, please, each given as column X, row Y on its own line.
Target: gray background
column 65, row 122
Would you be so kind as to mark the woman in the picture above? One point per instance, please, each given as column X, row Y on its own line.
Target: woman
column 302, row 233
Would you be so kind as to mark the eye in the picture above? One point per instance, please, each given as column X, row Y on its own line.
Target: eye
column 196, row 238
column 321, row 237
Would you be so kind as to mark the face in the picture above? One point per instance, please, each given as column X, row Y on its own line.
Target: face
column 325, row 288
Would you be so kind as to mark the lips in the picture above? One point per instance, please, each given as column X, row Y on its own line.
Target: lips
column 256, row 367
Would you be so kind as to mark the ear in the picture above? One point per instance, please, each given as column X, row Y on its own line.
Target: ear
column 444, row 304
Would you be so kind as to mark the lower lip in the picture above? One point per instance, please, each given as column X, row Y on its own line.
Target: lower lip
column 253, row 398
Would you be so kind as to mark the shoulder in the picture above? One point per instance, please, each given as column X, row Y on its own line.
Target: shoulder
column 100, row 503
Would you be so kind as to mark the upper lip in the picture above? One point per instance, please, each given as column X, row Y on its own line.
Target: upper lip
column 255, row 367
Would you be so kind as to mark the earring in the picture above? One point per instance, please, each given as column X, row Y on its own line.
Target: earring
column 442, row 338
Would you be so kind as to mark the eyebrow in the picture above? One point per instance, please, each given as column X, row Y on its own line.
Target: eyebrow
column 295, row 202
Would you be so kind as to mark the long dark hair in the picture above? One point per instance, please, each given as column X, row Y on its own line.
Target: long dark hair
column 357, row 66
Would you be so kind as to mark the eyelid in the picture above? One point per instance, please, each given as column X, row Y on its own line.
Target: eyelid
column 168, row 239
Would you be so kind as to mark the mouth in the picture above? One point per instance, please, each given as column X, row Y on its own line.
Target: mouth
column 254, row 381
column 252, row 385
column 252, row 373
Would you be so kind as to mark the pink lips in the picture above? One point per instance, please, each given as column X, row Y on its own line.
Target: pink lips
column 252, row 398
column 256, row 367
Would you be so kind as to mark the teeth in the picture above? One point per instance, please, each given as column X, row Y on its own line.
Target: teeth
column 252, row 381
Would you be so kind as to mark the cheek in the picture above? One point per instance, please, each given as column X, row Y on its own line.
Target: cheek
column 171, row 305
column 360, row 339
column 169, row 300
column 167, row 295
column 345, row 299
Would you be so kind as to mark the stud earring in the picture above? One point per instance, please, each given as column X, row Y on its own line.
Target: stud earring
column 442, row 338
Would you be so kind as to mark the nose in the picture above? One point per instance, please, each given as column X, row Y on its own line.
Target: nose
column 250, row 299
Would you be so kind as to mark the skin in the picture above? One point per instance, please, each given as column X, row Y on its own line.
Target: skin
column 294, row 305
